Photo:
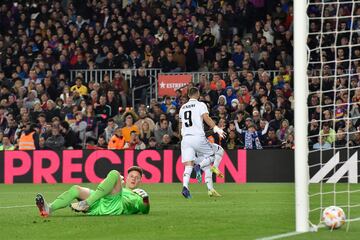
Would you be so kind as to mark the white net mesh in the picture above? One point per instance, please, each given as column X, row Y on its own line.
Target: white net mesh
column 334, row 106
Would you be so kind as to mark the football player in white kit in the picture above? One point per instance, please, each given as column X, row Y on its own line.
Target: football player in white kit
column 194, row 142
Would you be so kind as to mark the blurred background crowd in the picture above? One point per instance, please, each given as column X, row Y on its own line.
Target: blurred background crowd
column 240, row 41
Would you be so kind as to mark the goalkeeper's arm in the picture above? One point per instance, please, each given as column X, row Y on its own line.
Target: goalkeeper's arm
column 145, row 206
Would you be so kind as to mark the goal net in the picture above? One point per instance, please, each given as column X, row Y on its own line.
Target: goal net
column 333, row 103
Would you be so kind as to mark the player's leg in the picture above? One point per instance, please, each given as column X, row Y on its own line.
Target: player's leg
column 187, row 156
column 205, row 150
column 219, row 153
column 112, row 184
column 186, row 179
column 209, row 183
column 62, row 201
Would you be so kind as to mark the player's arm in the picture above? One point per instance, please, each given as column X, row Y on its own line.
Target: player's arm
column 213, row 126
column 238, row 129
column 145, row 206
column 180, row 126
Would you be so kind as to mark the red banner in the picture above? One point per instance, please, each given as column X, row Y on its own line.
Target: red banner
column 168, row 84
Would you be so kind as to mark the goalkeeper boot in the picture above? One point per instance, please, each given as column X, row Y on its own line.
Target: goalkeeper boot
column 217, row 172
column 213, row 193
column 198, row 172
column 186, row 193
column 81, row 206
column 42, row 205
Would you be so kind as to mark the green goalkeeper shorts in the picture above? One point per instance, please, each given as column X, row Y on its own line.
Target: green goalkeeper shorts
column 108, row 205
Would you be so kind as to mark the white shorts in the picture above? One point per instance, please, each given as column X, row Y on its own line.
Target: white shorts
column 193, row 146
column 218, row 150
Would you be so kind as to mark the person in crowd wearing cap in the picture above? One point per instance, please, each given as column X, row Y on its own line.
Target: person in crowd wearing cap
column 251, row 136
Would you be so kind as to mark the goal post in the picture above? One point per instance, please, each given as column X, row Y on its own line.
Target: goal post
column 301, row 116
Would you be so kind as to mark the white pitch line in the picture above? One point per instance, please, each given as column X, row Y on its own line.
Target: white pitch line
column 19, row 206
column 279, row 236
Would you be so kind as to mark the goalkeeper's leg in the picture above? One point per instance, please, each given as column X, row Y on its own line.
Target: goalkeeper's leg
column 62, row 201
column 110, row 185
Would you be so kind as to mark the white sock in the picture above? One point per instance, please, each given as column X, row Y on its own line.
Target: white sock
column 208, row 178
column 218, row 157
column 186, row 176
column 206, row 162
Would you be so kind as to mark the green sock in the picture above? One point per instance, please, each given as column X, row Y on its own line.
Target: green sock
column 65, row 199
column 105, row 187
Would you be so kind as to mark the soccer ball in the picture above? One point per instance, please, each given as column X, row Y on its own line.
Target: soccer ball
column 333, row 217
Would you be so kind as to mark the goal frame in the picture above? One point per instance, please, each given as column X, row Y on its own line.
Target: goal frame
column 301, row 116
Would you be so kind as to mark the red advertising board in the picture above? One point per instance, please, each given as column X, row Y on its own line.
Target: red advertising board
column 168, row 84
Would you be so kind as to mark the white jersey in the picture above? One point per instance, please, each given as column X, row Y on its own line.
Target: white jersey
column 191, row 118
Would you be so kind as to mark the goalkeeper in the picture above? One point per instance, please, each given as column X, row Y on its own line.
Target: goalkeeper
column 112, row 197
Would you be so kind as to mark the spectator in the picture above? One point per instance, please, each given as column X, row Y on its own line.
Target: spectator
column 289, row 143
column 117, row 141
column 329, row 134
column 135, row 143
column 129, row 126
column 284, row 131
column 121, row 87
column 166, row 142
column 79, row 87
column 276, row 122
column 102, row 112
column 251, row 136
column 163, row 129
column 91, row 123
column 165, row 106
column 340, row 139
column 145, row 132
column 153, row 144
column 79, row 126
column 56, row 140
column 232, row 141
column 70, row 137
column 6, row 144
column 143, row 117
column 101, row 143
column 110, row 129
column 272, row 141
column 29, row 138
column 322, row 144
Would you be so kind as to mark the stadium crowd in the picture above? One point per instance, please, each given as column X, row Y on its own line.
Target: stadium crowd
column 334, row 83
column 41, row 41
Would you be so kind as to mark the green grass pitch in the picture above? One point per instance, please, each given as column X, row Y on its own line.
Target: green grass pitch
column 248, row 211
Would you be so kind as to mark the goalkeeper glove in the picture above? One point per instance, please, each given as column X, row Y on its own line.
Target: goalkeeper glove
column 142, row 194
column 219, row 131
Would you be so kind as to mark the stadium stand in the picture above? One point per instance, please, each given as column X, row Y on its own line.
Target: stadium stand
column 246, row 45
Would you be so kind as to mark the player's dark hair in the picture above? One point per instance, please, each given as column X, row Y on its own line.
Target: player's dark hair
column 193, row 91
column 135, row 168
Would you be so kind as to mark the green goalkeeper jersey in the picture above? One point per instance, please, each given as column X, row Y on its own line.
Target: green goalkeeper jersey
column 125, row 202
